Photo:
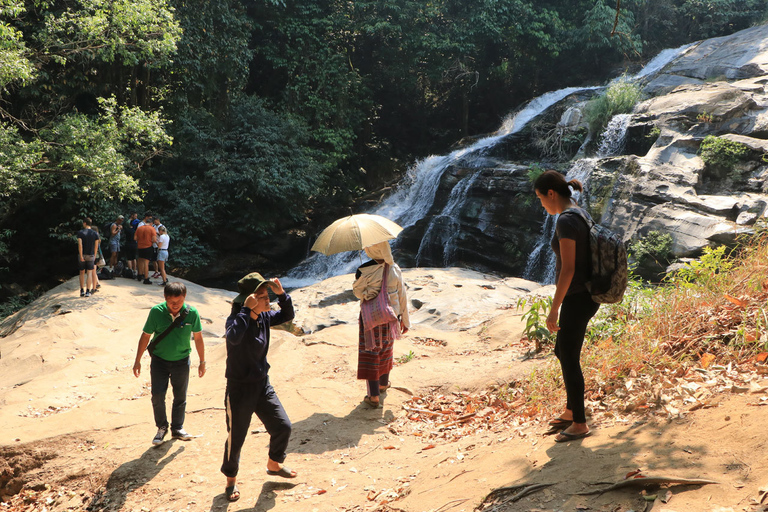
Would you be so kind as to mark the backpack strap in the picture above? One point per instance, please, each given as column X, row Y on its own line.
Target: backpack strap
column 581, row 213
column 176, row 322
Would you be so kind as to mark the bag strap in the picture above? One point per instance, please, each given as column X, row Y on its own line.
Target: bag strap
column 176, row 322
column 384, row 278
column 582, row 214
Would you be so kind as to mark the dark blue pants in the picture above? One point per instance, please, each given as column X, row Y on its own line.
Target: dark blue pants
column 177, row 372
column 575, row 313
column 241, row 401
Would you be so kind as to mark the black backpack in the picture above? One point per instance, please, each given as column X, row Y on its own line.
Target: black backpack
column 119, row 266
column 105, row 274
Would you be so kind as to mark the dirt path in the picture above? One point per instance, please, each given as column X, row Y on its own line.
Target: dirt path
column 84, row 424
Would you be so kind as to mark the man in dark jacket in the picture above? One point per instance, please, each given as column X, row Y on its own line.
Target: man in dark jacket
column 248, row 388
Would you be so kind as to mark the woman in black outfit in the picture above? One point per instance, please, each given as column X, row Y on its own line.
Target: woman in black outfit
column 571, row 246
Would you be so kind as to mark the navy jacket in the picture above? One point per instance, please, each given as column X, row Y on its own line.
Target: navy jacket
column 248, row 341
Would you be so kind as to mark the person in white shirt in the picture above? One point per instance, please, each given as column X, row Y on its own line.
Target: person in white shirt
column 162, row 252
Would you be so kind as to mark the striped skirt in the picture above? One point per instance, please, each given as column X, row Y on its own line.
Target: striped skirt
column 372, row 365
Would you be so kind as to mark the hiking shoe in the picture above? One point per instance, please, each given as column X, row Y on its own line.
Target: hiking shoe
column 94, row 291
column 164, row 283
column 181, row 434
column 87, row 293
column 156, row 275
column 161, row 433
column 82, row 292
column 147, row 281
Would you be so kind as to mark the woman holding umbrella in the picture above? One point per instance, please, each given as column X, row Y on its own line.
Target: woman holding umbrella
column 380, row 274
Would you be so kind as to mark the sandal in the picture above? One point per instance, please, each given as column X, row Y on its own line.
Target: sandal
column 374, row 404
column 232, row 493
column 564, row 436
column 384, row 388
column 283, row 472
column 560, row 423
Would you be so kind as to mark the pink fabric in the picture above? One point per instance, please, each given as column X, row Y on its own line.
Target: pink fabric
column 377, row 311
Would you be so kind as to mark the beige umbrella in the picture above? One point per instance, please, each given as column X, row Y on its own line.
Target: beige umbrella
column 354, row 233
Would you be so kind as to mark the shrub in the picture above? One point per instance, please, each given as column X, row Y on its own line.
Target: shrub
column 620, row 97
column 655, row 246
column 722, row 153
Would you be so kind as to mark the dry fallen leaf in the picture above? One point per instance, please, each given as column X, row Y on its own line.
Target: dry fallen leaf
column 706, row 360
column 632, row 473
column 390, row 448
column 428, row 447
column 734, row 300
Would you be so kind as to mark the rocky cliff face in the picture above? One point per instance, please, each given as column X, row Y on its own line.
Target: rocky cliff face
column 486, row 216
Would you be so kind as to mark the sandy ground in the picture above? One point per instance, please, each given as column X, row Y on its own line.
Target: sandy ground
column 77, row 426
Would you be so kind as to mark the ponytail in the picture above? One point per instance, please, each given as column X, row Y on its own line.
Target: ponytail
column 553, row 180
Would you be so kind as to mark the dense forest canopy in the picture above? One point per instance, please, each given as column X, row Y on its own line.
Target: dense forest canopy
column 237, row 120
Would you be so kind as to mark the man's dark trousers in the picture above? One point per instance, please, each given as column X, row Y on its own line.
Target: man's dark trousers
column 177, row 372
column 241, row 401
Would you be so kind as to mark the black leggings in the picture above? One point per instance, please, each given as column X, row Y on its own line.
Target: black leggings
column 575, row 313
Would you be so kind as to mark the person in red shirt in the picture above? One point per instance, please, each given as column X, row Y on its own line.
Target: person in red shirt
column 145, row 236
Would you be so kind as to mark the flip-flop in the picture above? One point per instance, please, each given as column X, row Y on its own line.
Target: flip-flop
column 560, row 423
column 283, row 472
column 232, row 493
column 571, row 437
column 367, row 400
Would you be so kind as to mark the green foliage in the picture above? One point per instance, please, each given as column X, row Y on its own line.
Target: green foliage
column 722, row 153
column 406, row 357
column 711, row 270
column 597, row 32
column 620, row 97
column 653, row 134
column 14, row 304
column 252, row 172
column 535, row 319
column 534, row 171
column 80, row 156
column 656, row 246
column 125, row 31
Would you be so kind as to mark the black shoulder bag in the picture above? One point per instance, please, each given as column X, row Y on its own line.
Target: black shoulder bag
column 177, row 321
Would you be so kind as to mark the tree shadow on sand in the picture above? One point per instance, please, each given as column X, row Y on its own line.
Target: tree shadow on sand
column 323, row 432
column 588, row 465
column 134, row 474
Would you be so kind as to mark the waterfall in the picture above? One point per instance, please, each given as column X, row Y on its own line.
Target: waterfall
column 449, row 217
column 541, row 264
column 415, row 195
column 614, row 136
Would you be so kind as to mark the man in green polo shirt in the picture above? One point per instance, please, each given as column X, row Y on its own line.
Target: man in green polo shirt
column 170, row 357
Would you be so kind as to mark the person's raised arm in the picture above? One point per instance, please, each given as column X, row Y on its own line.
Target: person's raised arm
column 286, row 313
column 567, row 270
column 143, row 342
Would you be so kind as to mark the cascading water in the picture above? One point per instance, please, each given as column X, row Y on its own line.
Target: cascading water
column 614, row 137
column 415, row 195
column 446, row 238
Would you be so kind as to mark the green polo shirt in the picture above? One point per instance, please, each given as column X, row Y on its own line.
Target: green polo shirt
column 176, row 346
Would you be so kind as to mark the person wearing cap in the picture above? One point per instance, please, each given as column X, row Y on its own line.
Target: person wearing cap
column 248, row 388
column 376, row 342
